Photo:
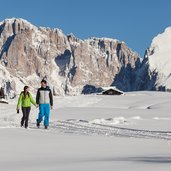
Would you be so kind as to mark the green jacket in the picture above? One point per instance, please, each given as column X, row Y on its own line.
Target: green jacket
column 25, row 102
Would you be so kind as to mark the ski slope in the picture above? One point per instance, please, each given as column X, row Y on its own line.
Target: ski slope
column 91, row 132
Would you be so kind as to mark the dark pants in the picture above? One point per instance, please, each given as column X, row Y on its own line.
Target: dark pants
column 25, row 118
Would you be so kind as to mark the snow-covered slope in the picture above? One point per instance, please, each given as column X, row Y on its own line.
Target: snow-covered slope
column 155, row 71
column 160, row 58
column 99, row 133
column 160, row 53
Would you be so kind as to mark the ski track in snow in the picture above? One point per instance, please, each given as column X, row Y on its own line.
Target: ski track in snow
column 84, row 127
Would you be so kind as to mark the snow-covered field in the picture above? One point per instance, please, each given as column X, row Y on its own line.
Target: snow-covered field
column 91, row 133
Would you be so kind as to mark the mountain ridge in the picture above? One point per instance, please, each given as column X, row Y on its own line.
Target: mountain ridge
column 30, row 53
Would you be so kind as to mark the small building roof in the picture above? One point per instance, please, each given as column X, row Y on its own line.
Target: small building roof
column 3, row 101
column 105, row 89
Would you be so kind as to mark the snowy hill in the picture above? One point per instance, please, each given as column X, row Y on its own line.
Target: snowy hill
column 156, row 67
column 160, row 53
column 99, row 133
column 160, row 58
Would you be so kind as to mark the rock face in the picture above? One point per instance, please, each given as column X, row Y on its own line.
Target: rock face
column 29, row 53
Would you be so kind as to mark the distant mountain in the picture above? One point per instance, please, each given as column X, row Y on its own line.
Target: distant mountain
column 155, row 72
column 70, row 65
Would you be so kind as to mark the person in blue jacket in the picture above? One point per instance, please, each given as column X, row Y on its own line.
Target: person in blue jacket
column 44, row 99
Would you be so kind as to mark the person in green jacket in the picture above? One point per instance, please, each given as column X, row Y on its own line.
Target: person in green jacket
column 25, row 100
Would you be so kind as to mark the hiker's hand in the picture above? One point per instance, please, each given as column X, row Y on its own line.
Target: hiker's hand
column 37, row 105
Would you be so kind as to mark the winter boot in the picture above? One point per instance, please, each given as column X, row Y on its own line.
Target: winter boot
column 38, row 124
column 46, row 127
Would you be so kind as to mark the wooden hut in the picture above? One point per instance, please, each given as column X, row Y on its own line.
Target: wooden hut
column 111, row 91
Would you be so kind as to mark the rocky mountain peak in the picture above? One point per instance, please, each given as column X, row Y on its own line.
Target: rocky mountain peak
column 29, row 53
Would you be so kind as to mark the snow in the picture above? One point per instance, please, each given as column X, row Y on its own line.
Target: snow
column 161, row 58
column 37, row 38
column 102, row 39
column 91, row 132
column 12, row 20
column 109, row 121
column 4, row 74
column 5, row 79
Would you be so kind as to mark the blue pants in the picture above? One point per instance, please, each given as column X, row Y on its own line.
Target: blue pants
column 44, row 111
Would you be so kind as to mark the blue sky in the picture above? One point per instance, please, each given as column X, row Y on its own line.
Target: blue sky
column 134, row 21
